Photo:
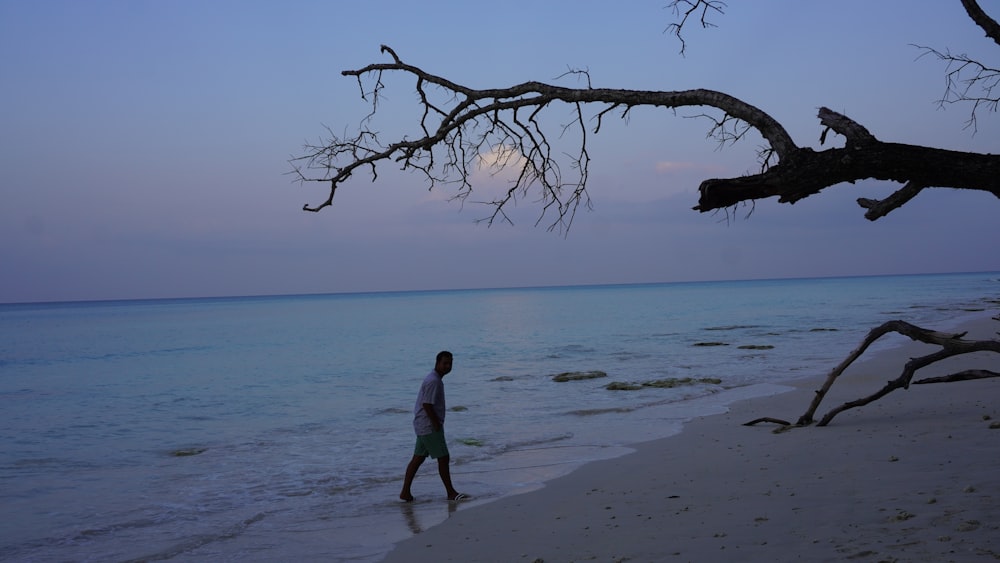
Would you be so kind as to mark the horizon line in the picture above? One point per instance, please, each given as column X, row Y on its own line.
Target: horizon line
column 487, row 288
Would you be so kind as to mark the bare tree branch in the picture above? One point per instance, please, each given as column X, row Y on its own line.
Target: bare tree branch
column 965, row 375
column 684, row 9
column 968, row 81
column 480, row 121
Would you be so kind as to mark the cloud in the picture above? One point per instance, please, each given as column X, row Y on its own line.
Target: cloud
column 666, row 167
column 501, row 156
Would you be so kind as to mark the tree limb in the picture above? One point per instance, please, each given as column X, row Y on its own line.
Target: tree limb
column 455, row 137
column 965, row 375
column 480, row 121
column 881, row 208
column 988, row 24
column 806, row 172
column 968, row 80
column 683, row 9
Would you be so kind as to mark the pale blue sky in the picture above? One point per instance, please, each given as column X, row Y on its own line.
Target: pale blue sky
column 145, row 144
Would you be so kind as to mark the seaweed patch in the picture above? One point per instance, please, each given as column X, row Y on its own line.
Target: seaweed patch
column 668, row 383
column 578, row 375
column 187, row 452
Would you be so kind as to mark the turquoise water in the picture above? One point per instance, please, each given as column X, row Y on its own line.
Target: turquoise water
column 297, row 407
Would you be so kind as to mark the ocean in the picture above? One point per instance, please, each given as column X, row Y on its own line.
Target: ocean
column 278, row 428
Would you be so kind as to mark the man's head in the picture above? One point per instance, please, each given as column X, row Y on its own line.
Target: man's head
column 443, row 364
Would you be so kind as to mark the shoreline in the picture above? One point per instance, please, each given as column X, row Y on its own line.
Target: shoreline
column 910, row 477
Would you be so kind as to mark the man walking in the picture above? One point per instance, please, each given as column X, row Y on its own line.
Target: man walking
column 428, row 423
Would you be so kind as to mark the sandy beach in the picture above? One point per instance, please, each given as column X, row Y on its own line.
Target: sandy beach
column 911, row 477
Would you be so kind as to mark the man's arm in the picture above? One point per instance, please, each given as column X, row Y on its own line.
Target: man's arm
column 437, row 422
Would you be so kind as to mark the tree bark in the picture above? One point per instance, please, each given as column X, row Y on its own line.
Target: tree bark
column 805, row 173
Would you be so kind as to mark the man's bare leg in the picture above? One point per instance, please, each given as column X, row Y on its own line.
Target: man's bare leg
column 445, row 471
column 411, row 472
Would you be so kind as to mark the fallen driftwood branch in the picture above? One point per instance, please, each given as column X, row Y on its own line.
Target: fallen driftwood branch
column 960, row 376
column 951, row 345
column 767, row 419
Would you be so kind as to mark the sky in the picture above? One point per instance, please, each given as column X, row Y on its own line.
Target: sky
column 145, row 145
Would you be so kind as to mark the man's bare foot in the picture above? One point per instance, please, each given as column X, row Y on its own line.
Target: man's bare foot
column 458, row 496
column 407, row 497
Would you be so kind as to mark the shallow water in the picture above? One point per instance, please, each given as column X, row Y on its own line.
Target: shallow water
column 295, row 409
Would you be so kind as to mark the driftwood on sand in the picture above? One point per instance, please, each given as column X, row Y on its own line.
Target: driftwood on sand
column 951, row 345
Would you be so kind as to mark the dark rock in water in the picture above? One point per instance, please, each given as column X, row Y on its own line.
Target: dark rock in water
column 756, row 347
column 824, row 330
column 675, row 382
column 578, row 375
column 710, row 344
column 668, row 383
column 622, row 386
column 187, row 452
column 503, row 378
column 459, row 409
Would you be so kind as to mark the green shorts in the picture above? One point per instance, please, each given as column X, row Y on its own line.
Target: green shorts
column 432, row 444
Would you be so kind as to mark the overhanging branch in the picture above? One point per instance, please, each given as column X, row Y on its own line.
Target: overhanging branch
column 454, row 136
